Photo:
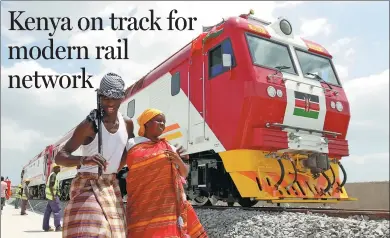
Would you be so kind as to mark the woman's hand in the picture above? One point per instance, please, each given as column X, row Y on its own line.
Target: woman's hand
column 180, row 150
column 173, row 156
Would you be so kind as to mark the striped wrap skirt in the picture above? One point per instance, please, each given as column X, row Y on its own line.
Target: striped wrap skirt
column 95, row 208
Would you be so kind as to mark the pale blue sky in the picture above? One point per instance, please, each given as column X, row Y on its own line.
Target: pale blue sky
column 357, row 33
column 366, row 21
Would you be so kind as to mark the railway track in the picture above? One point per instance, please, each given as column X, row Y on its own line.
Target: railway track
column 333, row 212
column 376, row 214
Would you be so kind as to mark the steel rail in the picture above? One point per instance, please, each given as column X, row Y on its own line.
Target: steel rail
column 371, row 214
column 377, row 214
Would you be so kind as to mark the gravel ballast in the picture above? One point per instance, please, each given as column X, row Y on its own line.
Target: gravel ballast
column 240, row 223
column 237, row 223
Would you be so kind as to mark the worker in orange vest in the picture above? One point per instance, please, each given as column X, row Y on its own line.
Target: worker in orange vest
column 4, row 188
column 8, row 194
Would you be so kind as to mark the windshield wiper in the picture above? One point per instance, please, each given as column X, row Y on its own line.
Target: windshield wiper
column 316, row 76
column 281, row 67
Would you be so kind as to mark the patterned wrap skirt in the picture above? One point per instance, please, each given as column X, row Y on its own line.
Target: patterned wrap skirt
column 95, row 208
column 156, row 202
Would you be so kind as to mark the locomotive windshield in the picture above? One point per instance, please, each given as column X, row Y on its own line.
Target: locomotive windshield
column 269, row 54
column 314, row 64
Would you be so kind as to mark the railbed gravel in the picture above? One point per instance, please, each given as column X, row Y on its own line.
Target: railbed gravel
column 240, row 223
column 237, row 223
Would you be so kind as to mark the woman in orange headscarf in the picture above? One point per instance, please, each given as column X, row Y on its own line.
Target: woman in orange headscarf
column 156, row 202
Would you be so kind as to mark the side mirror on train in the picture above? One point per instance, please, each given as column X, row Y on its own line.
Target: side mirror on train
column 227, row 60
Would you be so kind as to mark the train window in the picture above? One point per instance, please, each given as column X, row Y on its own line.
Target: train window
column 131, row 108
column 215, row 58
column 315, row 64
column 175, row 84
column 267, row 53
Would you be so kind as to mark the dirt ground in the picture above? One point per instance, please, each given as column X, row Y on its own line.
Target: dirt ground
column 370, row 195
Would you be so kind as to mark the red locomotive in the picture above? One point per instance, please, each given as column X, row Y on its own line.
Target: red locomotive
column 261, row 112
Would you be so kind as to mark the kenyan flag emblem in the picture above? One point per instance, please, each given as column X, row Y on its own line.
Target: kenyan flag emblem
column 306, row 105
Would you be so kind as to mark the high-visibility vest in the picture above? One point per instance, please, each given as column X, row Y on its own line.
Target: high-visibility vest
column 18, row 191
column 55, row 188
column 24, row 197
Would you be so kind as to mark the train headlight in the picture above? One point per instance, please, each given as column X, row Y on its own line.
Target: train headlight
column 332, row 104
column 339, row 106
column 271, row 91
column 279, row 93
column 285, row 27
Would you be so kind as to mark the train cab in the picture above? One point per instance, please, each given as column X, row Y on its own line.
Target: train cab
column 276, row 103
